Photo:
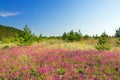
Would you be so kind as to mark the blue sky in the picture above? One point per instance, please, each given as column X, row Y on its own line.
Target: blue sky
column 53, row 17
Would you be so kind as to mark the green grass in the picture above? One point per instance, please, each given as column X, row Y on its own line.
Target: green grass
column 55, row 43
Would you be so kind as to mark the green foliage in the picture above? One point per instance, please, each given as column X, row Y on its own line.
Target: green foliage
column 65, row 36
column 25, row 38
column 61, row 71
column 6, row 41
column 71, row 36
column 118, row 42
column 117, row 34
column 9, row 40
column 104, row 42
column 40, row 38
column 86, row 36
column 0, row 38
column 96, row 36
column 80, row 71
column 5, row 47
column 7, row 32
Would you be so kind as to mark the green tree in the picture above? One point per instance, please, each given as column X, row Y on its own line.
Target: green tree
column 64, row 36
column 86, row 36
column 78, row 35
column 104, row 42
column 25, row 38
column 117, row 34
column 72, row 36
column 96, row 37
column 40, row 38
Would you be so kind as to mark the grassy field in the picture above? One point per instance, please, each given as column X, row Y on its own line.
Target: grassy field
column 59, row 60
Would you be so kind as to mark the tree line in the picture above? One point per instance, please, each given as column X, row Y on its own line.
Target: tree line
column 26, row 37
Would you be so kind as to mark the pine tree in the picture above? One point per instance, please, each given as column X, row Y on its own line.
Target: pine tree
column 25, row 38
column 117, row 34
column 71, row 36
column 40, row 38
column 104, row 42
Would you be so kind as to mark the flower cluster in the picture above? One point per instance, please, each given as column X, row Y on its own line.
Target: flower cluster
column 40, row 63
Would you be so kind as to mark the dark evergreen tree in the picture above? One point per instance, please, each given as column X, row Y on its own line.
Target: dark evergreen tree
column 72, row 36
column 64, row 36
column 117, row 34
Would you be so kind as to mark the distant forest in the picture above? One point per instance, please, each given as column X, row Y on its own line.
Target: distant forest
column 7, row 32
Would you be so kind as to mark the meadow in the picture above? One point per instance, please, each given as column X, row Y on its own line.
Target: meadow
column 55, row 59
column 59, row 39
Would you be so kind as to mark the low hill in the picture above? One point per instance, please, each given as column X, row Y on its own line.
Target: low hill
column 7, row 32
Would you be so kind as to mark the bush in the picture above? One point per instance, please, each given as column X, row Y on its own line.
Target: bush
column 5, row 47
column 86, row 36
column 104, row 42
column 71, row 36
column 7, row 40
column 25, row 38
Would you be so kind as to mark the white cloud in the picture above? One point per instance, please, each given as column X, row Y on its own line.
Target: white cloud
column 6, row 14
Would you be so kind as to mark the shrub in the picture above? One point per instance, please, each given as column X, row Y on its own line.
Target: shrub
column 7, row 40
column 86, row 36
column 5, row 47
column 25, row 38
column 71, row 36
column 104, row 42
